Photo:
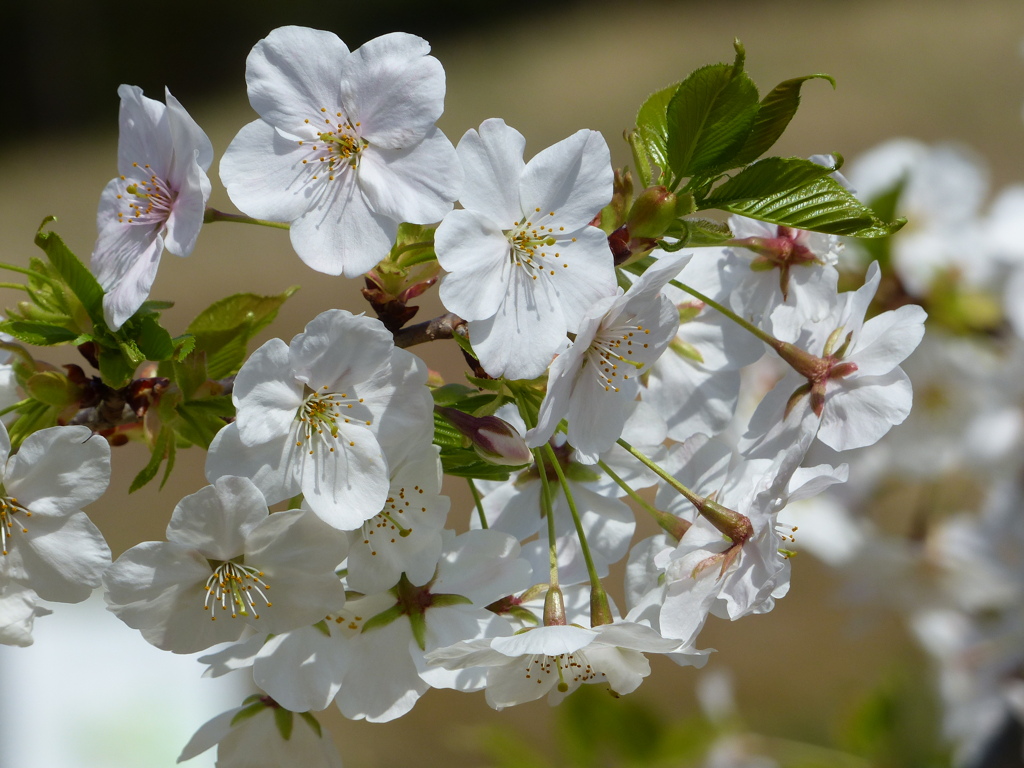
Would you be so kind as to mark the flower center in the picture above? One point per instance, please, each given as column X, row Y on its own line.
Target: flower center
column 531, row 246
column 612, row 346
column 236, row 587
column 392, row 522
column 337, row 146
column 147, row 201
column 9, row 507
column 321, row 416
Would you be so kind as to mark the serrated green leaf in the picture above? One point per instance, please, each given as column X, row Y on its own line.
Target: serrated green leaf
column 223, row 329
column 160, row 448
column 767, row 177
column 74, row 273
column 884, row 205
column 183, row 346
column 38, row 334
column 822, row 205
column 201, row 420
column 172, row 451
column 773, row 115
column 190, row 373
column 709, row 119
column 153, row 341
column 651, row 135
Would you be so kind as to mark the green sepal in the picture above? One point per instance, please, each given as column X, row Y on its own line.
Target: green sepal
column 72, row 271
column 709, row 119
column 822, row 205
column 686, row 350
column 383, row 618
column 224, row 329
column 451, row 394
column 248, row 711
column 312, row 722
column 494, row 385
column 160, row 451
column 322, row 628
column 463, row 342
column 693, row 233
column 284, row 719
column 765, row 178
column 53, row 388
column 418, row 624
column 445, row 600
column 115, row 370
column 773, row 116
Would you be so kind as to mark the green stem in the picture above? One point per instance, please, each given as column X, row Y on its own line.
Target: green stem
column 675, row 526
column 767, row 338
column 600, row 613
column 212, row 214
column 690, row 496
column 548, row 509
column 15, row 286
column 30, row 273
column 478, row 501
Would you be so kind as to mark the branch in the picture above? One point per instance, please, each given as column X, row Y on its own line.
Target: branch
column 441, row 327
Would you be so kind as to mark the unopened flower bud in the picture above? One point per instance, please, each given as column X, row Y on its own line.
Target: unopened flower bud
column 493, row 439
column 652, row 213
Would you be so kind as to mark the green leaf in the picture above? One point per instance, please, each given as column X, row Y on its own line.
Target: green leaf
column 115, row 369
column 38, row 334
column 771, row 176
column 773, row 115
column 709, row 119
column 77, row 276
column 171, row 453
column 822, row 205
column 464, row 462
column 651, row 135
column 154, row 342
column 202, row 419
column 160, row 448
column 190, row 373
column 223, row 329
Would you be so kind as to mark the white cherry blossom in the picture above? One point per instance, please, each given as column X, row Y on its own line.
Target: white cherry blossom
column 346, row 147
column 158, row 200
column 524, row 263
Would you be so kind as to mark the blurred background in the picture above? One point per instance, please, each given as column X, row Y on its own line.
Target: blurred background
column 928, row 69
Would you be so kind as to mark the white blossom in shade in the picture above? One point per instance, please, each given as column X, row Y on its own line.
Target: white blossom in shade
column 557, row 660
column 706, row 572
column 253, row 736
column 316, row 417
column 18, row 609
column 227, row 565
column 524, row 263
column 387, row 672
column 405, row 536
column 856, row 391
column 157, row 201
column 346, row 147
column 594, row 384
column 780, row 278
column 46, row 542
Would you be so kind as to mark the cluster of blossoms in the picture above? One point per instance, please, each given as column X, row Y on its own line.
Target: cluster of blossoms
column 949, row 562
column 605, row 360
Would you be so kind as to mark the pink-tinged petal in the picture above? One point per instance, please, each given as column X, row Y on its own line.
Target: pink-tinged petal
column 573, row 178
column 338, row 347
column 144, row 137
column 886, row 340
column 475, row 251
column 273, row 466
column 267, row 395
column 859, row 411
column 294, row 72
column 302, row 670
column 393, row 89
column 264, row 175
column 186, row 218
column 216, row 519
column 341, row 234
column 528, row 330
column 583, row 273
column 350, row 484
column 59, row 470
column 124, row 259
column 186, row 136
column 493, row 163
column 63, row 558
column 415, row 184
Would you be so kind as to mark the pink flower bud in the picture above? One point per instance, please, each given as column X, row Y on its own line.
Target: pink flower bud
column 494, row 440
